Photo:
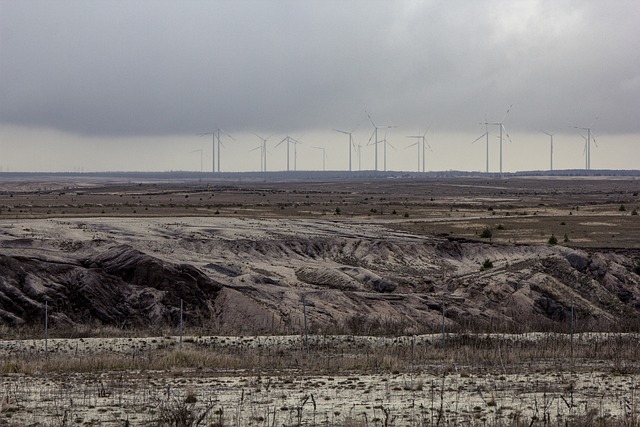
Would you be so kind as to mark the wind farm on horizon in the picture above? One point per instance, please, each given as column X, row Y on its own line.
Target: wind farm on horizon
column 359, row 143
column 379, row 149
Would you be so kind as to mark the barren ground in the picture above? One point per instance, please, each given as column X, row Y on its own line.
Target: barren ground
column 368, row 256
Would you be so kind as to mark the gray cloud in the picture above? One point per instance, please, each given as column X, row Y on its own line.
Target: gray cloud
column 169, row 67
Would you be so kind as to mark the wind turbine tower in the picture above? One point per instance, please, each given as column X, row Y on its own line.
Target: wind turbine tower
column 288, row 140
column 502, row 129
column 220, row 143
column 587, row 144
column 324, row 157
column 375, row 132
column 551, row 150
column 295, row 154
column 199, row 151
column 213, row 149
column 422, row 139
column 385, row 143
column 263, row 166
column 485, row 134
column 351, row 144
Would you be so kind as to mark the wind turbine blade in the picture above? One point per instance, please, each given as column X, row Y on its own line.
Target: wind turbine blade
column 429, row 145
column 412, row 145
column 480, row 137
column 341, row 131
column 505, row 114
column 506, row 133
column 227, row 135
column 425, row 132
column 254, row 149
column 391, row 145
column 594, row 140
column 584, row 152
column 370, row 119
column 283, row 140
column 261, row 138
column 372, row 133
column 414, row 136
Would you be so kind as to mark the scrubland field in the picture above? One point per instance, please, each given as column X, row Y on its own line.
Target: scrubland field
column 320, row 303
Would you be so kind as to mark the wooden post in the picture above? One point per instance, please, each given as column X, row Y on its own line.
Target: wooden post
column 306, row 334
column 180, row 325
column 572, row 329
column 443, row 320
column 46, row 326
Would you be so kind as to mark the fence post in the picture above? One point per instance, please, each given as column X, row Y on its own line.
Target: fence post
column 443, row 320
column 306, row 334
column 46, row 326
column 181, row 325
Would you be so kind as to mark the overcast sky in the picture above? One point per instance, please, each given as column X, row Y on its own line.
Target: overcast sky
column 128, row 85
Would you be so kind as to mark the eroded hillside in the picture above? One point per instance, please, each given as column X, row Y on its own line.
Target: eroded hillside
column 252, row 275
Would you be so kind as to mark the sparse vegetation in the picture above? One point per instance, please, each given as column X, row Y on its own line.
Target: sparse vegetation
column 622, row 208
column 486, row 233
column 487, row 264
column 254, row 383
column 553, row 240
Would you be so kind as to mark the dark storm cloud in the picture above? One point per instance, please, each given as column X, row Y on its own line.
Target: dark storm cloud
column 169, row 67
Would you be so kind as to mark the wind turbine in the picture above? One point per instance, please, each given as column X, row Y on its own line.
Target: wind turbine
column 351, row 144
column 259, row 147
column 421, row 139
column 502, row 128
column 588, row 143
column 324, row 156
column 289, row 140
column 199, row 150
column 385, row 142
column 220, row 143
column 375, row 132
column 295, row 153
column 551, row 151
column 263, row 165
column 213, row 148
column 485, row 134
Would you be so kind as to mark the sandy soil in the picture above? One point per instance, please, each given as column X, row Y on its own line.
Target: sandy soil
column 421, row 394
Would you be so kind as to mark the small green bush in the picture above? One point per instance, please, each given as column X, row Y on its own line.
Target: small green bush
column 553, row 240
column 500, row 227
column 622, row 208
column 486, row 264
column 486, row 233
column 634, row 212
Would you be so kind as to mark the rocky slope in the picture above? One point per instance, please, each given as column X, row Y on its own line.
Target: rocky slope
column 250, row 276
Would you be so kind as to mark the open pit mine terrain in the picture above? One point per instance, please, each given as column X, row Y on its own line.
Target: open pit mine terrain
column 361, row 255
column 344, row 301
